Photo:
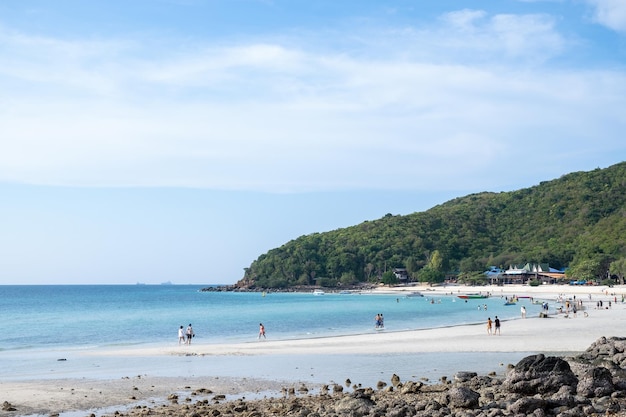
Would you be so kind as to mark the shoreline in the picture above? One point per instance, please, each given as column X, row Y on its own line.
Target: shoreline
column 150, row 382
column 441, row 339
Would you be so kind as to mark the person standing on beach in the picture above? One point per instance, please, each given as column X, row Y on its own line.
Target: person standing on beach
column 181, row 335
column 497, row 322
column 190, row 334
column 261, row 331
column 523, row 309
column 489, row 325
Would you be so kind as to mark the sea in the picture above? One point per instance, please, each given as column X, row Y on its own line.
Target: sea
column 49, row 331
column 52, row 316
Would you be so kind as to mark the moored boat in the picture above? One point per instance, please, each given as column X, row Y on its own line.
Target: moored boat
column 415, row 294
column 472, row 296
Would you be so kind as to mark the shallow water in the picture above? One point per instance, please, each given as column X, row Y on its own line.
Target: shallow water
column 42, row 324
column 35, row 317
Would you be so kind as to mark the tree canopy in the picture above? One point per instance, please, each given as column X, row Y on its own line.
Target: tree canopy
column 578, row 220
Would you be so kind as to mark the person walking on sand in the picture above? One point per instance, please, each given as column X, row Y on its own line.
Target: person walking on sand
column 261, row 331
column 489, row 325
column 190, row 334
column 497, row 322
column 181, row 335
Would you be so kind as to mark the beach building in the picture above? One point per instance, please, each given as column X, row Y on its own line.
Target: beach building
column 522, row 274
column 493, row 272
column 402, row 274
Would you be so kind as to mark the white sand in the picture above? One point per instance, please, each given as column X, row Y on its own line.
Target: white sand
column 533, row 334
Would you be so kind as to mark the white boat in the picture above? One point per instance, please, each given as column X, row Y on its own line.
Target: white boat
column 414, row 294
column 318, row 292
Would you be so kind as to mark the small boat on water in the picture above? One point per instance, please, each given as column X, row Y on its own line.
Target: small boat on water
column 510, row 303
column 472, row 296
column 318, row 292
column 414, row 294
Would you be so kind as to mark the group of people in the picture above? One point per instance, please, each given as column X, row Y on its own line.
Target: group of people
column 379, row 321
column 490, row 325
column 185, row 335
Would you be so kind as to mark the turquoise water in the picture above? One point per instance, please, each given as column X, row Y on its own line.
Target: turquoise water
column 59, row 332
column 41, row 317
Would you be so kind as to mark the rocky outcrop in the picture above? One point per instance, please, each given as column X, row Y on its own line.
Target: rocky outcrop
column 596, row 382
column 539, row 374
column 590, row 384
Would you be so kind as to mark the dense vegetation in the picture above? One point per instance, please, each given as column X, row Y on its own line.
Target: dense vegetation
column 577, row 221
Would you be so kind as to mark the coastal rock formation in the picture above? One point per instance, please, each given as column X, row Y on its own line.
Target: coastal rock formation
column 461, row 397
column 539, row 374
column 590, row 384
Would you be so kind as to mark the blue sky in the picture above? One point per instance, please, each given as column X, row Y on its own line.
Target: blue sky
column 178, row 140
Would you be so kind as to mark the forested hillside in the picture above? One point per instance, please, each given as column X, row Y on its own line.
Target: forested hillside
column 578, row 220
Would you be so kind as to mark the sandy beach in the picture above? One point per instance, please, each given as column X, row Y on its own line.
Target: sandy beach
column 557, row 333
column 554, row 334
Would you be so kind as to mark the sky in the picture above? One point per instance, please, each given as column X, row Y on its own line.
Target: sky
column 178, row 140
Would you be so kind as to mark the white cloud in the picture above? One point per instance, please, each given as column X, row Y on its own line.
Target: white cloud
column 610, row 13
column 272, row 116
column 80, row 67
column 464, row 19
column 528, row 38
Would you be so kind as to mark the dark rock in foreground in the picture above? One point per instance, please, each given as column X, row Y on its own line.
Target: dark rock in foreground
column 590, row 384
column 538, row 374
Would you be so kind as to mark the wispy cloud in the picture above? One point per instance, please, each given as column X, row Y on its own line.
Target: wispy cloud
column 476, row 37
column 385, row 109
column 610, row 13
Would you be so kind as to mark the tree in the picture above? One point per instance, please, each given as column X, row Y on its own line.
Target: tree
column 435, row 261
column 347, row 278
column 473, row 278
column 471, row 265
column 587, row 269
column 389, row 278
column 433, row 271
column 369, row 269
column 411, row 266
column 618, row 268
column 430, row 275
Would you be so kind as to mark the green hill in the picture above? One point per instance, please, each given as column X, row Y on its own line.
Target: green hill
column 578, row 220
